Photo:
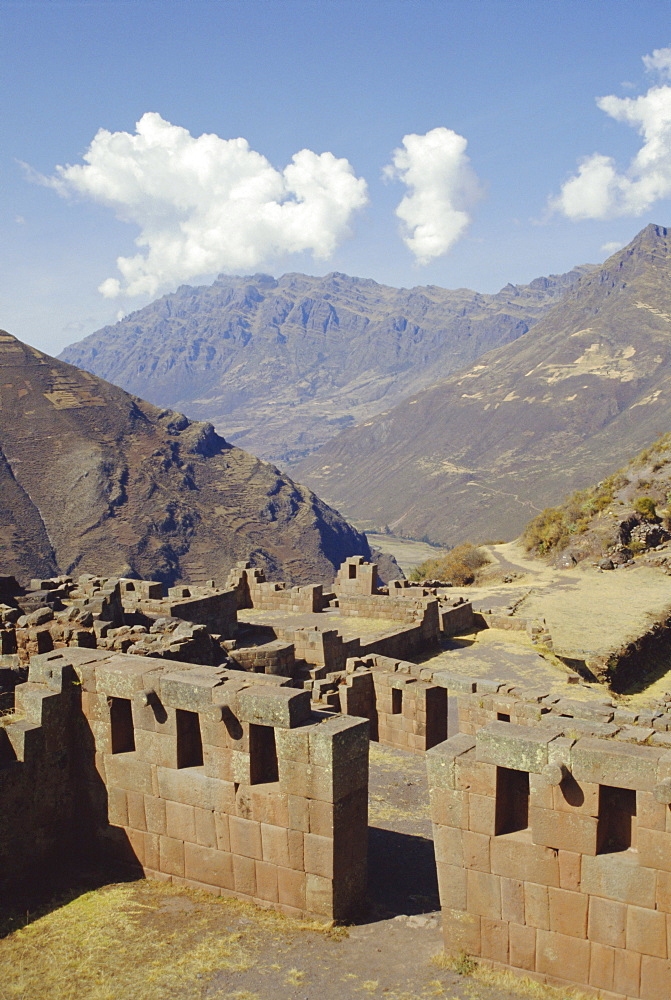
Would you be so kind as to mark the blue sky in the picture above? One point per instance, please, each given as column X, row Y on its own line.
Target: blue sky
column 490, row 106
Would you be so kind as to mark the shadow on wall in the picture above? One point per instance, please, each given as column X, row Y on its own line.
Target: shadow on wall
column 401, row 875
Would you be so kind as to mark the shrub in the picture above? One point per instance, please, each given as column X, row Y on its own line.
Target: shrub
column 645, row 507
column 459, row 566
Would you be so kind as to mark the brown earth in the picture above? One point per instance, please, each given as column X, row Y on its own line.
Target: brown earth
column 92, row 479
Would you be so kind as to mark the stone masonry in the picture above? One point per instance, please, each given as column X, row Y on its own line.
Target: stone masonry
column 554, row 856
column 190, row 774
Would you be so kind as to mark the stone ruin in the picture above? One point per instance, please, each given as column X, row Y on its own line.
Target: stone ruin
column 218, row 738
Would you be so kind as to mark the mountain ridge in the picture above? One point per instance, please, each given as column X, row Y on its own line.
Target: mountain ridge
column 282, row 365
column 479, row 453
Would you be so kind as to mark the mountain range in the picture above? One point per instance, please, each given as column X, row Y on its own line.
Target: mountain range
column 280, row 366
column 95, row 480
column 481, row 452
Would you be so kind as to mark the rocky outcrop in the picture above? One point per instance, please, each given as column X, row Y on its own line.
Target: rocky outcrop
column 92, row 476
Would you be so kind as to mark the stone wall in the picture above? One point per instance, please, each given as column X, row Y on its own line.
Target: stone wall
column 190, row 774
column 554, row 856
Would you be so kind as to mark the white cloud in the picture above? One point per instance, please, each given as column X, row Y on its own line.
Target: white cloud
column 599, row 190
column 442, row 189
column 611, row 247
column 209, row 204
column 659, row 62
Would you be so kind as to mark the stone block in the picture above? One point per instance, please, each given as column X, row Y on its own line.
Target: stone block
column 512, row 900
column 607, row 762
column 522, row 944
column 275, row 845
column 568, row 912
column 298, row 808
column 627, row 972
column 449, row 807
column 244, row 875
column 452, row 886
column 136, row 813
column 655, row 978
column 440, row 759
column 619, row 877
column 156, row 748
column 461, row 932
column 514, row 856
column 536, row 905
column 476, row 851
column 607, row 922
column 319, row 895
column 482, row 814
column 448, row 846
column 654, row 849
column 602, row 966
column 569, row 870
column 522, row 748
column 483, row 894
column 494, row 940
column 209, row 866
column 190, row 690
column 180, row 821
column 123, row 676
column 154, row 811
column 206, row 831
column 266, row 882
column 291, row 886
column 568, row 831
column 246, row 838
column 294, row 744
column 475, row 776
column 663, row 895
column 273, row 706
column 127, row 770
column 562, row 956
column 650, row 814
column 646, row 932
column 171, row 856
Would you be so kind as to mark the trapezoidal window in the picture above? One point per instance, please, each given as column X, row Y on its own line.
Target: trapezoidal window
column 189, row 740
column 352, row 571
column 512, row 800
column 396, row 701
column 616, row 825
column 262, row 755
column 121, row 724
column 503, row 716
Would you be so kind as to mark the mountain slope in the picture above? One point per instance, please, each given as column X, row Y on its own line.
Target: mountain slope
column 281, row 366
column 478, row 454
column 93, row 479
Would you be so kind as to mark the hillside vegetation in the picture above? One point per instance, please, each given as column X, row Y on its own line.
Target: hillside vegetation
column 621, row 517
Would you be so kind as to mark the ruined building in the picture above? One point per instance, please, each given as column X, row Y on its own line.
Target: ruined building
column 218, row 737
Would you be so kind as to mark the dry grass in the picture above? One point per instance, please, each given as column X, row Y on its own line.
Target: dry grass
column 517, row 983
column 143, row 940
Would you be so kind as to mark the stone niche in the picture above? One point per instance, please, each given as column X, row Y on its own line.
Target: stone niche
column 197, row 775
column 554, row 856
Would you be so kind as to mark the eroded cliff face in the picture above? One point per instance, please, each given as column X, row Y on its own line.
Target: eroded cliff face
column 480, row 453
column 93, row 479
column 281, row 366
